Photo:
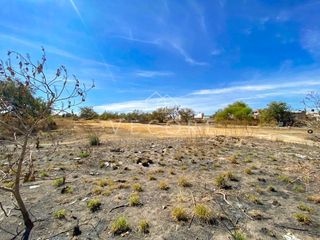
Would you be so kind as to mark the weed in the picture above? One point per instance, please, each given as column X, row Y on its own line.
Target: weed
column 97, row 190
column 220, row 181
column 237, row 235
column 163, row 185
column 303, row 218
column 230, row 176
column 179, row 214
column 298, row 188
column 120, row 225
column 134, row 200
column 144, row 226
column 94, row 204
column 203, row 212
column 94, row 140
column 305, row 208
column 59, row 182
column 84, row 154
column 43, row 174
column 254, row 199
column 183, row 182
column 152, row 178
column 60, row 214
column 102, row 182
column 314, row 198
column 271, row 189
column 285, row 179
column 137, row 187
column 248, row 171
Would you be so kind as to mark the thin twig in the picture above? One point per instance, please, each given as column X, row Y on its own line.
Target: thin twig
column 121, row 206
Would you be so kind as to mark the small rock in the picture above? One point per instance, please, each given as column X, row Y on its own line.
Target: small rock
column 164, row 207
column 34, row 186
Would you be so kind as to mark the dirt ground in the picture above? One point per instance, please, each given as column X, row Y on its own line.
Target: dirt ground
column 254, row 183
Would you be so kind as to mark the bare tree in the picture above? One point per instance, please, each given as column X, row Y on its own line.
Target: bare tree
column 28, row 97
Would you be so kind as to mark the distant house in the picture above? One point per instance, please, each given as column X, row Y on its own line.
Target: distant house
column 199, row 116
column 256, row 114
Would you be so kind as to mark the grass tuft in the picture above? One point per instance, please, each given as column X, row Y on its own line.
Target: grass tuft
column 120, row 225
column 179, row 214
column 203, row 212
column 94, row 204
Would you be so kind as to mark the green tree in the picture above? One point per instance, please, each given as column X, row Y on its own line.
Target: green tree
column 88, row 113
column 238, row 111
column 186, row 114
column 278, row 112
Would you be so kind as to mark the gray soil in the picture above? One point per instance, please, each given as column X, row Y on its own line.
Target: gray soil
column 270, row 180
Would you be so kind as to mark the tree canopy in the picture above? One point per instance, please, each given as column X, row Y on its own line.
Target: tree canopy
column 236, row 111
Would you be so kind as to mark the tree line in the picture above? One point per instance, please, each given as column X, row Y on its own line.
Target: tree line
column 276, row 113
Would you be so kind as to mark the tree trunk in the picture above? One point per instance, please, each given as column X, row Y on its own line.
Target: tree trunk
column 25, row 214
column 16, row 192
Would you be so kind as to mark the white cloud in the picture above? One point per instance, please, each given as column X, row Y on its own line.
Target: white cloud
column 311, row 41
column 209, row 100
column 150, row 74
column 256, row 88
column 186, row 56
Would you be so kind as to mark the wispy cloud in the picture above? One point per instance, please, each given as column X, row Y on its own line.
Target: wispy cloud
column 76, row 9
column 53, row 50
column 186, row 56
column 209, row 100
column 311, row 41
column 256, row 88
column 151, row 74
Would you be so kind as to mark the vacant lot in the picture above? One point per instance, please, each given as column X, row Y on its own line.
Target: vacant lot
column 172, row 182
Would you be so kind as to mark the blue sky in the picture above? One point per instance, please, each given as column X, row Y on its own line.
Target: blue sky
column 202, row 54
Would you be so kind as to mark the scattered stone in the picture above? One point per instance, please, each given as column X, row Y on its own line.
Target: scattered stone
column 34, row 186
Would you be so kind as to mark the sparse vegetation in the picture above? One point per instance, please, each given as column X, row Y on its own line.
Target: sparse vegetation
column 144, row 226
column 304, row 207
column 238, row 235
column 94, row 204
column 179, row 214
column 134, row 200
column 203, row 212
column 303, row 218
column 60, row 214
column 183, row 182
column 94, row 140
column 59, row 182
column 120, row 225
column 137, row 187
column 84, row 154
column 163, row 185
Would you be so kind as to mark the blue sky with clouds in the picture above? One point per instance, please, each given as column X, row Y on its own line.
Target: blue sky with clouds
column 201, row 54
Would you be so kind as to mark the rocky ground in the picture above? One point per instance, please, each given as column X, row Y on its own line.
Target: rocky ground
column 199, row 188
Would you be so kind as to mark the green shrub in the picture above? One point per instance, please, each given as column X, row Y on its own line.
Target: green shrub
column 237, row 235
column 137, row 187
column 203, row 212
column 134, row 200
column 179, row 214
column 183, row 182
column 94, row 204
column 60, row 214
column 94, row 140
column 84, row 154
column 144, row 226
column 59, row 182
column 163, row 185
column 120, row 225
column 303, row 218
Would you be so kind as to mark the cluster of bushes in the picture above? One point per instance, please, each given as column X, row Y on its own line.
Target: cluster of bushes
column 160, row 115
column 239, row 113
column 276, row 113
